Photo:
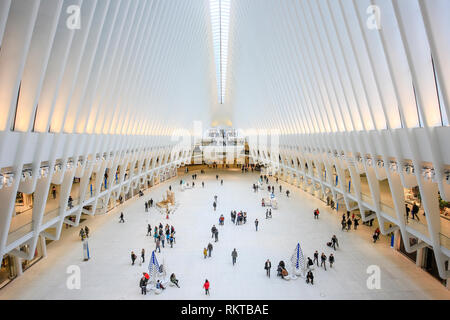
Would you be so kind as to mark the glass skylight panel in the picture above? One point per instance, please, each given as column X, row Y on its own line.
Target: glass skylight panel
column 220, row 20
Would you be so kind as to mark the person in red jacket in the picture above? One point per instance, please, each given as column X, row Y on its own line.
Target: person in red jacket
column 206, row 286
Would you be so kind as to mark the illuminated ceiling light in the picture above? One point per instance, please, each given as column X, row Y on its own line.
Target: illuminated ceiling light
column 428, row 173
column 220, row 20
column 393, row 166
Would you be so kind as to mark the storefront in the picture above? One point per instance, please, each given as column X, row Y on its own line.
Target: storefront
column 429, row 264
column 38, row 254
column 7, row 271
column 412, row 255
column 24, row 202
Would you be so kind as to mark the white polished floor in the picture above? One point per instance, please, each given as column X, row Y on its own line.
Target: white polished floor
column 109, row 274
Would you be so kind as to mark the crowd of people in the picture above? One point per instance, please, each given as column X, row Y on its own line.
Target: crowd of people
column 161, row 236
column 166, row 235
column 347, row 222
column 238, row 218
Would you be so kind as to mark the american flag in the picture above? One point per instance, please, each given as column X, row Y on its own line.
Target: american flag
column 298, row 260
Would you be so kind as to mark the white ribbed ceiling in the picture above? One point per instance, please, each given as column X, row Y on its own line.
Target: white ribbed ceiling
column 309, row 66
column 150, row 66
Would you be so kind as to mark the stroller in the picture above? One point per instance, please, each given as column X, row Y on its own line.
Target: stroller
column 330, row 244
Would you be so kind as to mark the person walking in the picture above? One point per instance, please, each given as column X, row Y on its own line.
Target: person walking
column 143, row 255
column 143, row 285
column 331, row 260
column 54, row 192
column 216, row 236
column 162, row 241
column 408, row 210
column 213, row 231
column 234, row 255
column 214, row 205
column 133, row 258
column 256, row 224
column 310, row 277
column 210, row 249
column 221, row 182
column 335, row 242
column 151, row 202
column 158, row 245
column 344, row 224
column 205, row 253
column 280, row 188
column 82, row 234
column 267, row 266
column 323, row 259
column 149, row 230
column 146, row 207
column 356, row 223
column 349, row 224
column 316, row 257
column 206, row 287
column 287, row 193
column 203, row 184
column 121, row 218
column 414, row 211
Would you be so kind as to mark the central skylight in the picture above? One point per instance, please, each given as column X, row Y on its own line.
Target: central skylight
column 220, row 19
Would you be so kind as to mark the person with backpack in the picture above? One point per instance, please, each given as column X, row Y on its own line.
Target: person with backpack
column 82, row 234
column 213, row 231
